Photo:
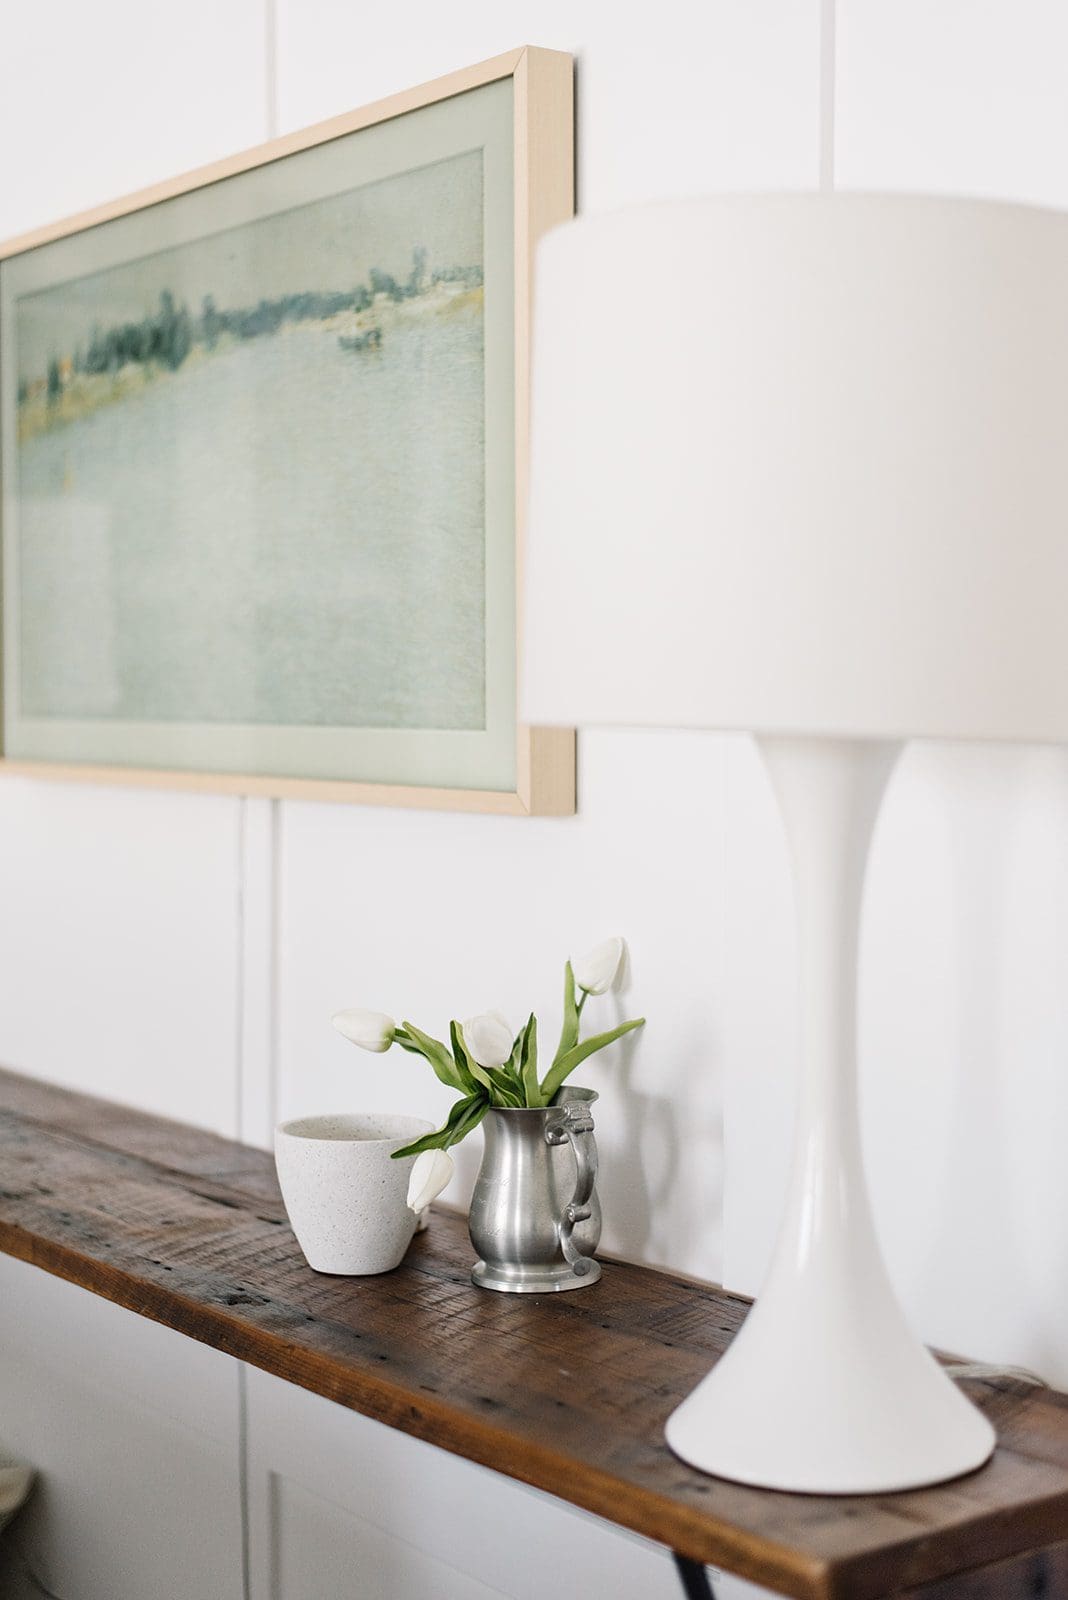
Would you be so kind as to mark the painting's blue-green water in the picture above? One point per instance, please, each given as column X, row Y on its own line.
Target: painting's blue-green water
column 282, row 531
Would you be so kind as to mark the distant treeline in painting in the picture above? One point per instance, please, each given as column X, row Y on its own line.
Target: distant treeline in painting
column 232, row 463
column 162, row 341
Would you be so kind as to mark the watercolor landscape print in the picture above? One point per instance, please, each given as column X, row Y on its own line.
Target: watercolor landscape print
column 263, row 461
column 248, row 466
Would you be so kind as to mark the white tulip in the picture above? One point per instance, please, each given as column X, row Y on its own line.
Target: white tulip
column 431, row 1171
column 489, row 1038
column 371, row 1030
column 598, row 970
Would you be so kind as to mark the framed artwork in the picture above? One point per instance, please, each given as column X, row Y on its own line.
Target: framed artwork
column 263, row 462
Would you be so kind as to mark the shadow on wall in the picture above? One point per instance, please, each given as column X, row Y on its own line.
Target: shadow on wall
column 645, row 1150
column 965, row 1047
column 648, row 1151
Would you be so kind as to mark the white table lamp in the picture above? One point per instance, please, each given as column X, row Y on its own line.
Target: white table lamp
column 800, row 466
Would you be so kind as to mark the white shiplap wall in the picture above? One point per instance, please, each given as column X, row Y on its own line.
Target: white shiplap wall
column 119, row 912
column 203, row 943
column 182, row 953
column 729, row 98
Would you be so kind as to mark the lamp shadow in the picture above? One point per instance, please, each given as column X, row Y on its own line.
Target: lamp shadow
column 642, row 1155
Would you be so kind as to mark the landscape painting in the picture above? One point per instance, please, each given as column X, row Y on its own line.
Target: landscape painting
column 258, row 469
column 240, row 405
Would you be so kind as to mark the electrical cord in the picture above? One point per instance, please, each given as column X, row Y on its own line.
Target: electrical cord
column 980, row 1371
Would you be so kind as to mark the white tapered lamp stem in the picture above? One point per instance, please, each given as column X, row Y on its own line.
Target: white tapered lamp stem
column 826, row 1389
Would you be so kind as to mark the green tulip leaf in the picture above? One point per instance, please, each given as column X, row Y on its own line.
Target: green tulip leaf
column 475, row 1072
column 466, row 1065
column 565, row 1065
column 465, row 1115
column 469, row 1121
column 505, row 1090
column 511, row 1068
column 569, row 1032
column 528, row 1064
column 401, row 1038
column 435, row 1052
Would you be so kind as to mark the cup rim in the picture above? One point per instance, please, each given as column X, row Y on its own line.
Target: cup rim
column 406, row 1128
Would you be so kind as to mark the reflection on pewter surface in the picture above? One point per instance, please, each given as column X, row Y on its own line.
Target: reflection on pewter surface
column 251, row 471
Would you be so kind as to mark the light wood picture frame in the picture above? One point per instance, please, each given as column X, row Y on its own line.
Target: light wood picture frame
column 196, row 384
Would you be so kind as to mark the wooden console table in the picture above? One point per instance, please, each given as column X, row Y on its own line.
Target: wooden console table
column 568, row 1393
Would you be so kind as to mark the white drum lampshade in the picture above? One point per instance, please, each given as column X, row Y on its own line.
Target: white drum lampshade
column 800, row 467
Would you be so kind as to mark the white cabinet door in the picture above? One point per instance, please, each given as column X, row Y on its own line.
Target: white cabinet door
column 342, row 1508
column 136, row 1433
column 134, row 1430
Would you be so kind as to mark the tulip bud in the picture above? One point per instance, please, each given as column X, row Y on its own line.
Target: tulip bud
column 371, row 1030
column 598, row 970
column 489, row 1038
column 431, row 1171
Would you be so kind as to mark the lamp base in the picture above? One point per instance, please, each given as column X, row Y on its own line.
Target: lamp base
column 826, row 1390
column 829, row 1400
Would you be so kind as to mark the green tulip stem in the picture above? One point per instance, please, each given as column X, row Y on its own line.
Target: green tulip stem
column 514, row 1085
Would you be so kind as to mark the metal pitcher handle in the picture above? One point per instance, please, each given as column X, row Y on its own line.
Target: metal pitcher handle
column 576, row 1127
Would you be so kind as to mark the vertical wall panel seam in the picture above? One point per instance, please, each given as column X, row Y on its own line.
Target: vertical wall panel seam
column 270, row 87
column 270, row 52
column 828, row 89
column 274, row 976
column 240, row 961
column 243, row 1477
column 275, row 806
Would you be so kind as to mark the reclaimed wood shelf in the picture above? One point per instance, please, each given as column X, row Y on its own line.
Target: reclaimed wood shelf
column 567, row 1392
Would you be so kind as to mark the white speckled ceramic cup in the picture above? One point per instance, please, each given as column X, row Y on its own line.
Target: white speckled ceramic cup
column 346, row 1197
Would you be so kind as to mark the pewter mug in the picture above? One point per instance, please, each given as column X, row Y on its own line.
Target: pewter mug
column 535, row 1218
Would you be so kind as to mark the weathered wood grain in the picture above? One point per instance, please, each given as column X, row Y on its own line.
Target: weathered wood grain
column 1041, row 1576
column 569, row 1393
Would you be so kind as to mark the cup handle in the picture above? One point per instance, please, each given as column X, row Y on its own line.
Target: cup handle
column 575, row 1127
